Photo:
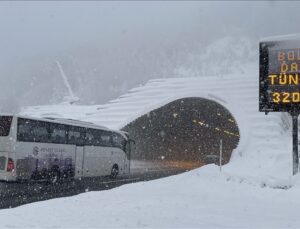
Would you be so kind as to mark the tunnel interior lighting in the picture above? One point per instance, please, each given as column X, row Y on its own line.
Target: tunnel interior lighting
column 185, row 130
column 202, row 123
column 231, row 120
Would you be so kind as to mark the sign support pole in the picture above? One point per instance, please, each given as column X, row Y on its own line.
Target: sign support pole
column 295, row 143
column 221, row 154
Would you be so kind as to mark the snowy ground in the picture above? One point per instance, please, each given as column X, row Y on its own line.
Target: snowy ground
column 202, row 198
column 255, row 190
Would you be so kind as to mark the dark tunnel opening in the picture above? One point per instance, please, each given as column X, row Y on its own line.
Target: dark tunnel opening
column 186, row 131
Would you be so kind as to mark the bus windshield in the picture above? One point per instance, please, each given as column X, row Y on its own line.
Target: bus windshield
column 5, row 123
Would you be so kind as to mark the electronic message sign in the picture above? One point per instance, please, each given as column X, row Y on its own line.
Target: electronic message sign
column 279, row 83
column 279, row 76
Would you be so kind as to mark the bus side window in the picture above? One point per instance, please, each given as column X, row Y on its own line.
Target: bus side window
column 58, row 133
column 105, row 138
column 24, row 132
column 76, row 136
column 39, row 131
column 73, row 136
column 114, row 140
column 89, row 137
column 98, row 137
column 32, row 130
column 118, row 141
column 5, row 124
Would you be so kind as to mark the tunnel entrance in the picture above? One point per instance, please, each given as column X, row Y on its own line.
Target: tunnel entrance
column 187, row 131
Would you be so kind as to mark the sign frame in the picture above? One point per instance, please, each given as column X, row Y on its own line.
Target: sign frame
column 265, row 103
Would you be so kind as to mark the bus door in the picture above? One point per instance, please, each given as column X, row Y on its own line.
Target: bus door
column 79, row 161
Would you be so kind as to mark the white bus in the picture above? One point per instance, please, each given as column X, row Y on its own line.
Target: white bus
column 34, row 149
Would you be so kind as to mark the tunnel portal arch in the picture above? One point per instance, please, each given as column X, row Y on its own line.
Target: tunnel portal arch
column 185, row 129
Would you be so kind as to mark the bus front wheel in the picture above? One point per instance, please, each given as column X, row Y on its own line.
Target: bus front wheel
column 114, row 171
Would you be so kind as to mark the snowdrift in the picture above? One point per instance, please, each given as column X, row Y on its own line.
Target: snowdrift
column 202, row 198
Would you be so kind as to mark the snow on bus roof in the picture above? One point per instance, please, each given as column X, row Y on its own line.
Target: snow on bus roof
column 6, row 114
column 70, row 122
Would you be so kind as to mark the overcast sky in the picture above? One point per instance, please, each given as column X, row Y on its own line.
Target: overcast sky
column 108, row 47
column 32, row 28
column 29, row 28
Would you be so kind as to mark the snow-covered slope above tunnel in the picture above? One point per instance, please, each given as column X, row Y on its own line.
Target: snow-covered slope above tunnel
column 264, row 149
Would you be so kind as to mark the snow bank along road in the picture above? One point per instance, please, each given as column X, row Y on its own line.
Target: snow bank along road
column 202, row 198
